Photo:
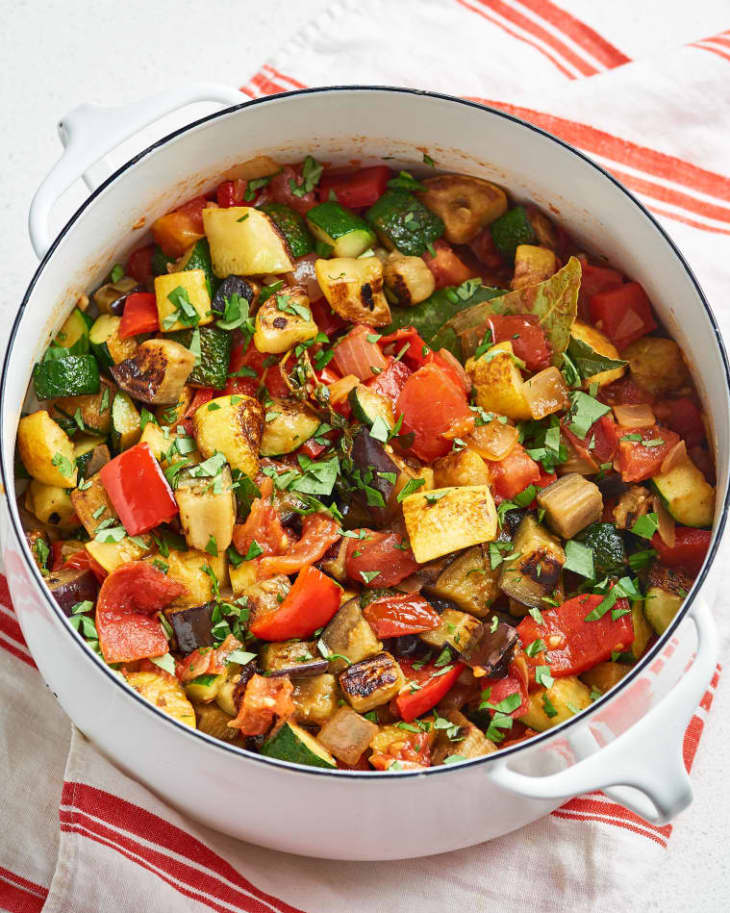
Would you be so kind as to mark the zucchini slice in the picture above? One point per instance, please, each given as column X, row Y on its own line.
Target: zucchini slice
column 292, row 743
column 292, row 226
column 689, row 497
column 106, row 343
column 288, row 426
column 183, row 300
column 368, row 406
column 198, row 257
column 347, row 234
column 215, row 353
column 46, row 450
column 74, row 375
column 403, row 222
column 111, row 298
column 551, row 706
column 74, row 334
column 126, row 426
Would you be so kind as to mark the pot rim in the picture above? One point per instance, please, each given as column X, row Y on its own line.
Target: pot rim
column 8, row 480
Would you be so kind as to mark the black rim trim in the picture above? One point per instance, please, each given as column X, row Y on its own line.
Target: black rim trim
column 369, row 776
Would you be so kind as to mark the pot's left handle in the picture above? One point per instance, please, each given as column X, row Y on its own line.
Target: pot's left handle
column 90, row 132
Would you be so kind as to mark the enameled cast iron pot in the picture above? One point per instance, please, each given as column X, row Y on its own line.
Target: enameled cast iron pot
column 628, row 741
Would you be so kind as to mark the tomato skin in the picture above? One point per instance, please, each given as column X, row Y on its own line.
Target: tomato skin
column 485, row 250
column 310, row 604
column 446, row 266
column 279, row 190
column 689, row 549
column 140, row 315
column 392, row 380
column 434, row 686
column 624, row 392
column 624, row 314
column 595, row 279
column 357, row 189
column 319, row 532
column 432, row 404
column 248, row 356
column 601, row 441
column 637, row 462
column 514, row 473
column 528, row 338
column 502, row 688
column 231, row 193
column 682, row 416
column 416, row 351
column 138, row 490
column 579, row 644
column 382, row 552
column 263, row 699
column 262, row 526
column 127, row 598
column 393, row 616
column 139, row 264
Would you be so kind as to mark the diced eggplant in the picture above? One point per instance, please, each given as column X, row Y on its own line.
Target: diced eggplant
column 294, row 658
column 467, row 742
column 207, row 512
column 333, row 560
column 92, row 505
column 233, row 285
column 632, row 504
column 192, row 627
column 571, row 504
column 377, row 471
column 111, row 298
column 315, row 698
column 214, row 721
column 535, row 571
column 71, row 585
column 372, row 682
column 457, row 629
column 405, row 646
column 156, row 373
column 349, row 635
column 469, row 582
column 347, row 735
column 100, row 456
column 267, row 595
column 492, row 649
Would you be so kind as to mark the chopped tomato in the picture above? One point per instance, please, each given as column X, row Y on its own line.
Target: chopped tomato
column 262, row 527
column 279, row 189
column 689, row 549
column 263, row 699
column 407, row 340
column 327, row 321
column 312, row 449
column 140, row 315
column 600, row 442
column 319, row 532
column 412, row 752
column 528, row 338
column 358, row 353
column 641, row 451
column 127, row 599
column 595, row 279
column 354, row 189
column 207, row 660
column 138, row 490
column 408, row 613
column 246, row 359
column 432, row 405
column 177, row 230
column 379, row 559
column 390, row 383
column 624, row 392
column 624, row 314
column 231, row 193
column 446, row 266
column 310, row 604
column 139, row 263
column 514, row 473
column 452, row 366
column 574, row 644
column 500, row 689
column 485, row 250
column 682, row 416
column 433, row 682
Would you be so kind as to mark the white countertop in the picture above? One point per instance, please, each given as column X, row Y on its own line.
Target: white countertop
column 61, row 53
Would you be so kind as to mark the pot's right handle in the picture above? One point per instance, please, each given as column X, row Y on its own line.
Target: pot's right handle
column 89, row 132
column 647, row 757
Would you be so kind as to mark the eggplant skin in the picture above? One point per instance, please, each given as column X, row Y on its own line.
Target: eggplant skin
column 69, row 586
column 493, row 649
column 192, row 627
column 542, row 567
column 233, row 285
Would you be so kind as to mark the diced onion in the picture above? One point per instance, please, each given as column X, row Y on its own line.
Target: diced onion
column 354, row 354
column 493, row 441
column 634, row 415
column 666, row 527
column 677, row 455
column 304, row 275
column 546, row 393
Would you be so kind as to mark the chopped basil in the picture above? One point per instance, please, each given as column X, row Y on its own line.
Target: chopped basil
column 579, row 559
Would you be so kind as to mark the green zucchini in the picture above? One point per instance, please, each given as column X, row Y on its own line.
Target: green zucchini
column 343, row 230
column 367, row 406
column 292, row 226
column 198, row 257
column 215, row 353
column 74, row 334
column 288, row 426
column 402, row 221
column 607, row 545
column 660, row 607
column 204, row 688
column 126, row 424
column 689, row 497
column 510, row 230
column 75, row 375
column 106, row 344
column 160, row 261
column 292, row 743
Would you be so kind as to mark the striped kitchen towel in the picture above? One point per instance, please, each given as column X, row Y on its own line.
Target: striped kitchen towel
column 643, row 90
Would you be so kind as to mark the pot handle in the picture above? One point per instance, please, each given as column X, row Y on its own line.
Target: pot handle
column 90, row 132
column 647, row 757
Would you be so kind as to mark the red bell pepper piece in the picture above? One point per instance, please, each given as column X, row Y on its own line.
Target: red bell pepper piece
column 327, row 321
column 139, row 263
column 573, row 643
column 601, row 441
column 502, row 688
column 624, row 314
column 319, row 532
column 528, row 338
column 514, row 473
column 312, row 449
column 689, row 549
column 386, row 553
column 311, row 602
column 140, row 315
column 682, row 416
column 138, row 490
column 355, row 189
column 127, row 599
column 231, row 193
column 390, row 383
column 446, row 266
column 636, row 461
column 80, row 561
column 407, row 338
column 434, row 683
column 408, row 613
column 433, row 406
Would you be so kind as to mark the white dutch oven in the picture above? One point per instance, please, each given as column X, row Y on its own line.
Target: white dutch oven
column 628, row 742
